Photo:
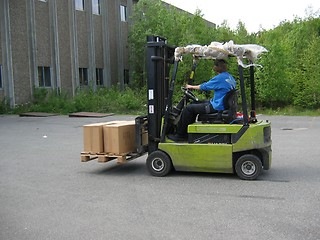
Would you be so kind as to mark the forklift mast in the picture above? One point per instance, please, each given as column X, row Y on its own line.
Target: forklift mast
column 159, row 58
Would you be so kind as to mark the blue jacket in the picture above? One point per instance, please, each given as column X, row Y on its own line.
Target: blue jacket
column 221, row 84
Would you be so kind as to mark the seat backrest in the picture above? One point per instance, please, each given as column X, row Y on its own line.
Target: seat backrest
column 226, row 116
column 230, row 102
column 230, row 99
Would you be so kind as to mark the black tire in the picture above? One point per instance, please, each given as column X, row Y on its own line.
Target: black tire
column 159, row 164
column 248, row 167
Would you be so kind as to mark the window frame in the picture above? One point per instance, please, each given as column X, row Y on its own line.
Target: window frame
column 126, row 76
column 1, row 76
column 123, row 13
column 44, row 77
column 83, row 77
column 96, row 11
column 99, row 77
column 79, row 5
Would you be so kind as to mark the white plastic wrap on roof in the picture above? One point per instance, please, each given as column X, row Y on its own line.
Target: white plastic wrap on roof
column 217, row 50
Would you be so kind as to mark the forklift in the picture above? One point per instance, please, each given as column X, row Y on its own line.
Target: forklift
column 221, row 142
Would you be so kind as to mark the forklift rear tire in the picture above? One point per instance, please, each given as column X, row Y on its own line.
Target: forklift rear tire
column 159, row 163
column 248, row 167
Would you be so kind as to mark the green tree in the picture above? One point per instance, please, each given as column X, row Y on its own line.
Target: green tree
column 152, row 17
column 307, row 84
column 290, row 70
column 291, row 66
column 274, row 87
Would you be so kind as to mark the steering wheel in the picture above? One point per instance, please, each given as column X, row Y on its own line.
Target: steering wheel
column 189, row 94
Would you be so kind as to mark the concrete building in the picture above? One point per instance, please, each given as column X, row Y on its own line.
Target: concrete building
column 62, row 45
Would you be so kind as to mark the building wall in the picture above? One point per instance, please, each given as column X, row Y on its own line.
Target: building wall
column 64, row 40
column 98, row 41
column 112, row 29
column 125, row 33
column 53, row 34
column 19, row 51
column 82, row 38
column 3, row 46
column 42, row 30
column 1, row 85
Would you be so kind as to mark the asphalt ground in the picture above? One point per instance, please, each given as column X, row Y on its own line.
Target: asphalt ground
column 47, row 193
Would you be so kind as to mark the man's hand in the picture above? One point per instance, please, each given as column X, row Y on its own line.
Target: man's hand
column 188, row 86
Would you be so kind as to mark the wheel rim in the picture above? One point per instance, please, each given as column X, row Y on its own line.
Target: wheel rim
column 248, row 168
column 157, row 164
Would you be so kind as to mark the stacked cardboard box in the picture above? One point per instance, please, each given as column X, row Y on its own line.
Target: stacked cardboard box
column 116, row 137
column 120, row 137
column 93, row 138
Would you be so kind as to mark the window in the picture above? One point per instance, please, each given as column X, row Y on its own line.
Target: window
column 99, row 76
column 44, row 76
column 79, row 4
column 126, row 76
column 123, row 13
column 0, row 76
column 96, row 7
column 83, row 76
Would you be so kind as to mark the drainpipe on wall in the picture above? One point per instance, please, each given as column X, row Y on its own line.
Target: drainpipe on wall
column 8, row 83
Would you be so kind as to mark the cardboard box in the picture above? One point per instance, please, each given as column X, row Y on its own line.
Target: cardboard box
column 144, row 137
column 93, row 137
column 120, row 137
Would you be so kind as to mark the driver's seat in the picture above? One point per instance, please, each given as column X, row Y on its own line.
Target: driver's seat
column 225, row 116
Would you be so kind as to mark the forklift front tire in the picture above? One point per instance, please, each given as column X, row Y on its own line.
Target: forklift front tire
column 159, row 163
column 248, row 167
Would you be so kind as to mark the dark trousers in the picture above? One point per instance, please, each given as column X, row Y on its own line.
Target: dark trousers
column 189, row 114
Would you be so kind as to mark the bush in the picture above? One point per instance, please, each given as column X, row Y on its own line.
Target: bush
column 103, row 100
column 4, row 106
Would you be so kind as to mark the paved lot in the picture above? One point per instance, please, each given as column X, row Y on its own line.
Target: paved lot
column 47, row 193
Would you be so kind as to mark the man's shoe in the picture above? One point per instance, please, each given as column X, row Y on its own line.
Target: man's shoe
column 178, row 137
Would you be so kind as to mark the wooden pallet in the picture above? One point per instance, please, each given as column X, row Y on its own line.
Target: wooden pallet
column 106, row 157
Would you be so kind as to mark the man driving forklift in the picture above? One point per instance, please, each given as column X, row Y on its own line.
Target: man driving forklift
column 222, row 83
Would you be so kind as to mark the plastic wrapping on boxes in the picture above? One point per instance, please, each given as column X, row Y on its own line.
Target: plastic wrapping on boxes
column 217, row 50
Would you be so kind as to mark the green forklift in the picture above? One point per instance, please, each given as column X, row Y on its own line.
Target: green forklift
column 221, row 142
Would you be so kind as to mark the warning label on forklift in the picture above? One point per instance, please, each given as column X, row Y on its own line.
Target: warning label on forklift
column 150, row 94
column 151, row 109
